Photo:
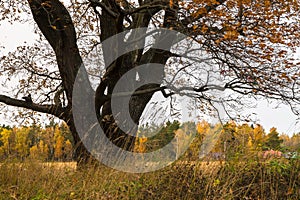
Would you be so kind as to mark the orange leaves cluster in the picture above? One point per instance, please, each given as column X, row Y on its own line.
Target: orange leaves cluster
column 199, row 12
column 255, row 28
column 171, row 3
column 199, row 7
column 267, row 3
column 212, row 2
column 231, row 35
column 231, row 4
column 207, row 2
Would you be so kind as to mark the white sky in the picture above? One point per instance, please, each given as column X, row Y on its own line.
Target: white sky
column 11, row 36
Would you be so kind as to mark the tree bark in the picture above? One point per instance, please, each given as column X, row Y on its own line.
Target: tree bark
column 56, row 24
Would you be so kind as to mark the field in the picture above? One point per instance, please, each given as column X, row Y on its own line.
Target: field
column 275, row 179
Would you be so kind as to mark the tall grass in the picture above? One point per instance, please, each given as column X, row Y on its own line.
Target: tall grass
column 247, row 179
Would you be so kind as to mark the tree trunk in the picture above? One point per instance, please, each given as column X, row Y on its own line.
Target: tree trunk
column 61, row 36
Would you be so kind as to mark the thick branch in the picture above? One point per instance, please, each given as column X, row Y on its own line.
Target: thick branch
column 48, row 109
column 56, row 24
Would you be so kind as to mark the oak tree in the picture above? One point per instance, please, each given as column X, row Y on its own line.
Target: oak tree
column 249, row 44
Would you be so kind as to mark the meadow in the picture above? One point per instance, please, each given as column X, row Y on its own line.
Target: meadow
column 247, row 179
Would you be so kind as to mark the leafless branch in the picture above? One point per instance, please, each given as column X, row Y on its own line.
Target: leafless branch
column 48, row 109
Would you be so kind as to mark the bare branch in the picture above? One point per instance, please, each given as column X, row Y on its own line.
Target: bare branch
column 149, row 6
column 35, row 72
column 48, row 109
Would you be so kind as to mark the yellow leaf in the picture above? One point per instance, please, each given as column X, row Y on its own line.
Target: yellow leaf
column 143, row 139
column 218, row 41
column 262, row 45
column 171, row 3
column 204, row 29
column 267, row 3
column 231, row 35
column 248, row 42
column 216, row 182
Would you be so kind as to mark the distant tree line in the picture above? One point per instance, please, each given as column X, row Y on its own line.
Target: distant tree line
column 234, row 140
column 50, row 143
column 54, row 141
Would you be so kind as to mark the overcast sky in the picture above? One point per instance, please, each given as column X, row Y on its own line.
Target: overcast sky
column 11, row 36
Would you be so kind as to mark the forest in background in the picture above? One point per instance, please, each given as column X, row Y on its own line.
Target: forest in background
column 54, row 141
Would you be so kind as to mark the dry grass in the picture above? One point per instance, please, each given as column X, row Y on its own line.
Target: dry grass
column 182, row 180
column 60, row 165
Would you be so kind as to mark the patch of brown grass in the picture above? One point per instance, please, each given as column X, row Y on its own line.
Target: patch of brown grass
column 182, row 180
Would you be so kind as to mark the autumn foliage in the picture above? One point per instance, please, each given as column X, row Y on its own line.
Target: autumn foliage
column 50, row 143
column 235, row 141
column 54, row 142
